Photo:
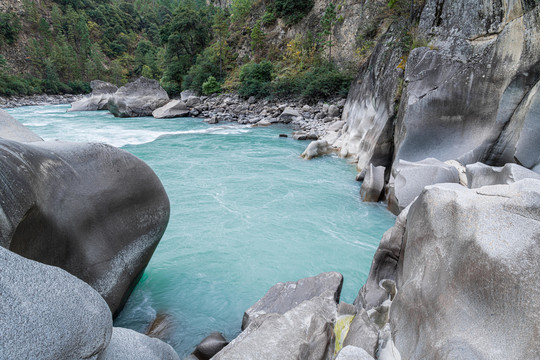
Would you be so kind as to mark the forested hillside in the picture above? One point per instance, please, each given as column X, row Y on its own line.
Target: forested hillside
column 304, row 48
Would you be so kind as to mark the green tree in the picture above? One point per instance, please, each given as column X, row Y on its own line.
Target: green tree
column 292, row 11
column 9, row 28
column 328, row 21
column 240, row 9
column 257, row 39
column 211, row 86
column 220, row 27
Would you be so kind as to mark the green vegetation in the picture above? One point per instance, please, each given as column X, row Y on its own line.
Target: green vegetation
column 184, row 44
column 292, row 11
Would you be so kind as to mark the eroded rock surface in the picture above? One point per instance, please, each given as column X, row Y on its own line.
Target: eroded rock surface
column 175, row 108
column 283, row 297
column 127, row 344
column 463, row 261
column 479, row 174
column 98, row 99
column 138, row 98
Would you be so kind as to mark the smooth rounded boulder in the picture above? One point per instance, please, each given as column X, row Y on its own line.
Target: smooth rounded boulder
column 98, row 99
column 138, row 98
column 127, row 344
column 48, row 313
column 93, row 210
column 173, row 109
column 11, row 129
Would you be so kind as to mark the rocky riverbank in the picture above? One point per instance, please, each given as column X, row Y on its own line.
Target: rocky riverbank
column 38, row 100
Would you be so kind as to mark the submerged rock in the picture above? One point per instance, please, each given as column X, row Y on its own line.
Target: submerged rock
column 138, row 98
column 173, row 109
column 98, row 99
column 479, row 174
column 91, row 209
column 48, row 313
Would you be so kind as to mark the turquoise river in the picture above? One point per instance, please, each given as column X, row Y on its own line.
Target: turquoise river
column 246, row 212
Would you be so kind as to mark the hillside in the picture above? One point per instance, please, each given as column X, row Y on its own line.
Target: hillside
column 314, row 47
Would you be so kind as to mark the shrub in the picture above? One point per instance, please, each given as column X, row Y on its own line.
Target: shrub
column 292, row 11
column 172, row 88
column 79, row 87
column 211, row 86
column 9, row 28
column 255, row 79
column 325, row 81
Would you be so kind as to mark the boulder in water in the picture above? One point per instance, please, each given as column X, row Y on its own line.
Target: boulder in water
column 98, row 99
column 138, row 98
column 210, row 346
column 315, row 149
column 91, row 209
column 175, row 108
column 373, row 184
column 283, row 297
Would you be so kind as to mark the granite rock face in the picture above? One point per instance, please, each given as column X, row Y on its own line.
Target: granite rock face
column 410, row 178
column 93, row 210
column 48, row 313
column 303, row 332
column 138, row 98
column 373, row 184
column 98, row 99
column 175, row 108
column 293, row 320
column 475, row 96
column 479, row 174
column 127, row 344
column 11, row 129
column 463, row 271
column 353, row 353
column 283, row 297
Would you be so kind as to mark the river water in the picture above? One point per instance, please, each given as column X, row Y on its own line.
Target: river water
column 246, row 212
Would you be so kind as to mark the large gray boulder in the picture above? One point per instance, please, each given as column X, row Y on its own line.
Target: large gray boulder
column 138, row 98
column 305, row 332
column 467, row 277
column 373, row 184
column 175, row 108
column 410, row 178
column 98, row 99
column 48, row 313
column 362, row 334
column 473, row 96
column 91, row 209
column 11, row 129
column 479, row 174
column 127, row 344
column 210, row 346
column 288, row 115
column 283, row 297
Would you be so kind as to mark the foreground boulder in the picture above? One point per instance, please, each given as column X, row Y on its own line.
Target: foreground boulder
column 479, row 174
column 463, row 262
column 11, row 129
column 315, row 149
column 410, row 178
column 127, row 344
column 283, row 297
column 98, row 99
column 303, row 332
column 48, row 313
column 138, row 98
column 175, row 108
column 210, row 346
column 91, row 209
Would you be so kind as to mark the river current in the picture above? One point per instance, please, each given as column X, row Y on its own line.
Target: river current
column 246, row 212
